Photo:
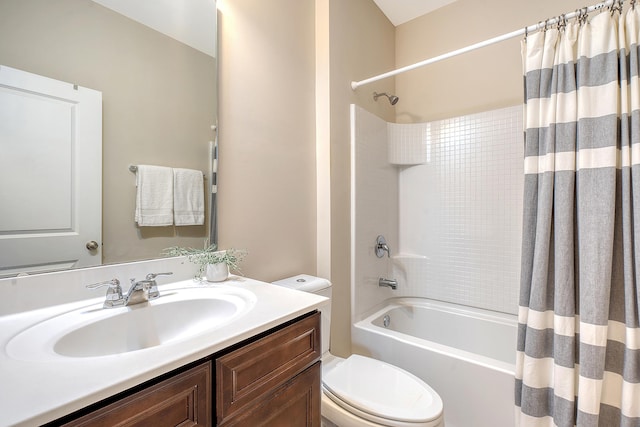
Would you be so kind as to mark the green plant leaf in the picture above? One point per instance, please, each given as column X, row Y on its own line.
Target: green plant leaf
column 209, row 255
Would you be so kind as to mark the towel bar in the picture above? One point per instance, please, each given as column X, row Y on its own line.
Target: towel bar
column 134, row 169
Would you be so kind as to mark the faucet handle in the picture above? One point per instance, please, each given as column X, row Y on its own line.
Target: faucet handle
column 153, row 292
column 114, row 296
column 152, row 276
column 113, row 284
column 382, row 247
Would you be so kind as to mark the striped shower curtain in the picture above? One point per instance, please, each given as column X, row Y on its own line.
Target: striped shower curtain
column 578, row 355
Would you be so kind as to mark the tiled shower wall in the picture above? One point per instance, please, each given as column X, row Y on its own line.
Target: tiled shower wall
column 461, row 212
column 448, row 197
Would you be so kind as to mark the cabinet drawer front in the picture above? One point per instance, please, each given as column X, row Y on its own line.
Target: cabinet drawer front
column 181, row 400
column 253, row 370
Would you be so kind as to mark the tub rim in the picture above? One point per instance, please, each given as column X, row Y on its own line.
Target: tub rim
column 366, row 324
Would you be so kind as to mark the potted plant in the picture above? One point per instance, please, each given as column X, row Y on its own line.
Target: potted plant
column 216, row 264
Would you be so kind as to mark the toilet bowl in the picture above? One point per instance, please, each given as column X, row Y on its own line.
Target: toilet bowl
column 360, row 391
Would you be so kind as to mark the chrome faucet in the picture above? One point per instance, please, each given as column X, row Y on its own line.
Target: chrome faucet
column 390, row 283
column 140, row 291
column 114, row 293
column 143, row 290
column 382, row 247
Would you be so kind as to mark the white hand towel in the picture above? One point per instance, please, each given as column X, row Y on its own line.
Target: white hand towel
column 154, row 196
column 188, row 197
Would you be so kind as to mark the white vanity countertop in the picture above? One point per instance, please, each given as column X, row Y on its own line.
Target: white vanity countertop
column 39, row 391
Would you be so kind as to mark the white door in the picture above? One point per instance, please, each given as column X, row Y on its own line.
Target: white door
column 50, row 174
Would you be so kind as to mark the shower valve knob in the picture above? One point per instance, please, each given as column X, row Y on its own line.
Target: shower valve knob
column 382, row 247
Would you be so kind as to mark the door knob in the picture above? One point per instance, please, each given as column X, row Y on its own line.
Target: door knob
column 92, row 245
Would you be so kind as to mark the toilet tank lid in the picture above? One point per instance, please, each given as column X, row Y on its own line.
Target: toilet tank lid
column 304, row 282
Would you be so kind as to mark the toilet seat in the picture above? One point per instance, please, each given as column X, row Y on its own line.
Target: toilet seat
column 381, row 393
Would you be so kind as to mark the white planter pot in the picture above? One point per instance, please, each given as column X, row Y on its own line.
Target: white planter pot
column 217, row 272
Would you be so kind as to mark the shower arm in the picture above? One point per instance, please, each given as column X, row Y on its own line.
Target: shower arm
column 393, row 100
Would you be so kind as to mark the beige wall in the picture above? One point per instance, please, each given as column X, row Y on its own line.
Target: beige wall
column 481, row 80
column 267, row 135
column 158, row 102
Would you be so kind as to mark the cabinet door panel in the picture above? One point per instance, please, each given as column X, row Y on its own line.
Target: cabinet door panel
column 183, row 400
column 295, row 404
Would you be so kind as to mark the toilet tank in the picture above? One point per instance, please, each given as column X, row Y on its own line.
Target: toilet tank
column 318, row 286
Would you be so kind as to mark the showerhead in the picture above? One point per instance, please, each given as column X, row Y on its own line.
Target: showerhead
column 392, row 98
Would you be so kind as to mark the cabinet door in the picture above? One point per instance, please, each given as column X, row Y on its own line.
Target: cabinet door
column 247, row 375
column 183, row 400
column 295, row 404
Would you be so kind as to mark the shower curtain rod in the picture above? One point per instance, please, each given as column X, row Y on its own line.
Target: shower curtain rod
column 523, row 31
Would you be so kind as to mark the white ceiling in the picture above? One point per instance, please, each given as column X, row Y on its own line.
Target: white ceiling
column 401, row 11
column 187, row 21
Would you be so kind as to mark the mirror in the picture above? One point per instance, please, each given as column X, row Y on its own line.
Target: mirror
column 159, row 92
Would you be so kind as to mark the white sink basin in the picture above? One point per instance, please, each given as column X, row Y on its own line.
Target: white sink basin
column 92, row 331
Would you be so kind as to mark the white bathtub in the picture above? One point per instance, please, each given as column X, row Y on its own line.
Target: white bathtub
column 467, row 355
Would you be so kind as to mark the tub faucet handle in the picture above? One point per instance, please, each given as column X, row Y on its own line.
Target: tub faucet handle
column 382, row 247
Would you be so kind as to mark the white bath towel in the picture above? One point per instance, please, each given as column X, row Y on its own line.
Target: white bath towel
column 154, row 196
column 188, row 197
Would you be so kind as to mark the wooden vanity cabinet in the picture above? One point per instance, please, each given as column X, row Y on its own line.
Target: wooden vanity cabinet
column 269, row 380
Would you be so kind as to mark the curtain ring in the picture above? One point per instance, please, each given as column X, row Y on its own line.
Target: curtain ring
column 562, row 22
column 582, row 17
column 616, row 6
column 633, row 4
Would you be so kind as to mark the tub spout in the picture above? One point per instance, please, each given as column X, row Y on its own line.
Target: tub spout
column 390, row 283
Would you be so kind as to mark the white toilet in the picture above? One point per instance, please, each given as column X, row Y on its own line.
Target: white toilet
column 361, row 391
